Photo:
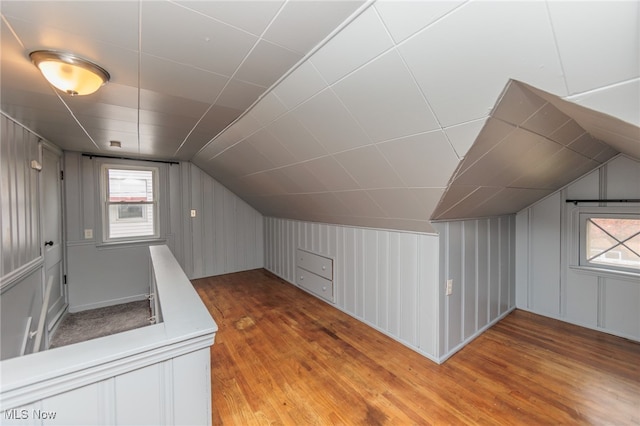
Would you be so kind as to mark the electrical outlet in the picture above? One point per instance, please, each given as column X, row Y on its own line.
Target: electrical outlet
column 193, row 212
column 88, row 234
column 449, row 288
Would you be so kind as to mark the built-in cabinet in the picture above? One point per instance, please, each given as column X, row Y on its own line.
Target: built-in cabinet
column 386, row 279
column 314, row 273
column 395, row 281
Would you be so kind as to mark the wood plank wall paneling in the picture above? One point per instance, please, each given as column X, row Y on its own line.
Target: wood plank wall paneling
column 392, row 281
column 225, row 236
column 20, row 195
column 21, row 261
column 386, row 279
column 281, row 357
column 547, row 247
column 478, row 255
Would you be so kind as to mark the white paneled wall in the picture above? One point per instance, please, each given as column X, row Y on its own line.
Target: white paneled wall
column 386, row 279
column 479, row 257
column 225, row 236
column 547, row 282
column 20, row 231
column 99, row 274
column 21, row 262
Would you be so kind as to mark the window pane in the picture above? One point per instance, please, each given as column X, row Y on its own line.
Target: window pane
column 130, row 211
column 131, row 226
column 130, row 203
column 634, row 244
column 619, row 256
column 621, row 229
column 130, row 185
column 608, row 242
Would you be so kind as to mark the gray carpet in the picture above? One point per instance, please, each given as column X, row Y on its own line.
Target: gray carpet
column 87, row 325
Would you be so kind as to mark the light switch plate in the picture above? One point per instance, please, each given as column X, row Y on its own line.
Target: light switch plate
column 449, row 288
column 193, row 212
column 88, row 234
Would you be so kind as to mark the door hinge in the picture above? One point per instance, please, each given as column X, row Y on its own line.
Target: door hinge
column 64, row 278
column 61, row 174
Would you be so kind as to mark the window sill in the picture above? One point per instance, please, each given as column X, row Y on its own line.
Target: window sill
column 604, row 272
column 131, row 243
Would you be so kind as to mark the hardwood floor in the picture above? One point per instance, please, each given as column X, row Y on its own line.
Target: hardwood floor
column 284, row 357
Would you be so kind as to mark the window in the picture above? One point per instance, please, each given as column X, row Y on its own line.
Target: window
column 130, row 202
column 610, row 241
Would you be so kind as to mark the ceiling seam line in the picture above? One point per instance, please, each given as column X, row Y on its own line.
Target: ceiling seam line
column 602, row 88
column 6, row 21
column 305, row 58
column 557, row 48
column 139, row 70
column 255, row 44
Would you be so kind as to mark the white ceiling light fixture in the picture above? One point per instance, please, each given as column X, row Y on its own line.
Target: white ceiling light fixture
column 69, row 73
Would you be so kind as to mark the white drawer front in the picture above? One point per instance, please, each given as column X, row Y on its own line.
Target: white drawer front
column 315, row 263
column 315, row 284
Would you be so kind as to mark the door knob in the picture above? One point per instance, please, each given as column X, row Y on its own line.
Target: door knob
column 48, row 243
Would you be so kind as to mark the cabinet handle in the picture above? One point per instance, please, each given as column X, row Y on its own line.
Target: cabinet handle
column 301, row 278
column 324, row 288
column 324, row 268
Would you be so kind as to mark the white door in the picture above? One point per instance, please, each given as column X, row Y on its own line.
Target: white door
column 53, row 250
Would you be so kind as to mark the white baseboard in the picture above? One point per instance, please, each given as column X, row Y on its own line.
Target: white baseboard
column 86, row 307
column 468, row 340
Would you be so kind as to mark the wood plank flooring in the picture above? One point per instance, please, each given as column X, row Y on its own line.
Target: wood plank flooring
column 283, row 357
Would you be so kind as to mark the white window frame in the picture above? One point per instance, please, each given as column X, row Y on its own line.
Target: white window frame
column 105, row 204
column 581, row 216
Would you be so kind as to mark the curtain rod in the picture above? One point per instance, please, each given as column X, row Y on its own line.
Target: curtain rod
column 128, row 158
column 631, row 200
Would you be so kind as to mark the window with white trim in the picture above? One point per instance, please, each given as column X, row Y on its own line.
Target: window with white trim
column 610, row 241
column 130, row 202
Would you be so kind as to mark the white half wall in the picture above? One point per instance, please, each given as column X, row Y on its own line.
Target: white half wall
column 386, row 279
column 547, row 284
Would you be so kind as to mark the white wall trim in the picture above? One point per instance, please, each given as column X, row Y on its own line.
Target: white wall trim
column 128, row 375
column 585, row 325
column 475, row 335
column 362, row 320
column 105, row 303
column 15, row 276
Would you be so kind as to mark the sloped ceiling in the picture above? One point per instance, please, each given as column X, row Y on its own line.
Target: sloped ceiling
column 364, row 111
column 527, row 149
column 181, row 71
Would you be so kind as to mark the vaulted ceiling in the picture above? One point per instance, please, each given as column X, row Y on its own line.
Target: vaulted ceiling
column 383, row 114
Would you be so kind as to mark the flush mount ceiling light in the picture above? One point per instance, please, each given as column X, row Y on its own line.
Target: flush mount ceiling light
column 69, row 73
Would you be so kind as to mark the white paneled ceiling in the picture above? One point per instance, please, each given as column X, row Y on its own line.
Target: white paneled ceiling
column 180, row 71
column 527, row 149
column 381, row 114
